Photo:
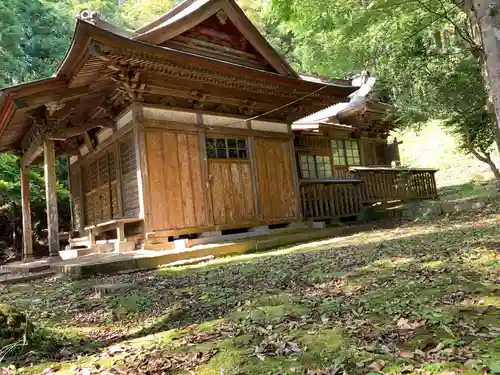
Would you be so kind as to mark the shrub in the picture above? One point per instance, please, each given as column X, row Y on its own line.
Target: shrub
column 14, row 325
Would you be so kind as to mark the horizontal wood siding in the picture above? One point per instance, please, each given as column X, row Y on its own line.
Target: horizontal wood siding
column 232, row 191
column 275, row 178
column 175, row 182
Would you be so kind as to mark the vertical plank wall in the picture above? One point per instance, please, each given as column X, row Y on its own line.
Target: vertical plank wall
column 231, row 186
column 175, row 182
column 275, row 178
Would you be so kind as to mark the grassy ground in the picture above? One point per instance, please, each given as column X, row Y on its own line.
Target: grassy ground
column 432, row 147
column 459, row 176
column 423, row 298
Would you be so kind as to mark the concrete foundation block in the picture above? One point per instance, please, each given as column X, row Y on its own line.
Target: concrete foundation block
column 105, row 248
column 216, row 233
column 260, row 230
column 181, row 244
column 319, row 225
column 124, row 246
column 298, row 225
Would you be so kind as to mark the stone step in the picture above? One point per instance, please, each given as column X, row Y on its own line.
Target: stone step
column 75, row 253
column 97, row 249
column 146, row 260
column 26, row 268
column 18, row 279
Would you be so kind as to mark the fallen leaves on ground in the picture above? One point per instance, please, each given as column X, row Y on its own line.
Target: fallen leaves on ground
column 423, row 298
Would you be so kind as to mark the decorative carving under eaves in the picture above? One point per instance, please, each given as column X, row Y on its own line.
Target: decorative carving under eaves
column 247, row 108
column 222, row 17
column 132, row 82
column 41, row 128
column 223, row 108
column 151, row 63
column 169, row 101
column 54, row 107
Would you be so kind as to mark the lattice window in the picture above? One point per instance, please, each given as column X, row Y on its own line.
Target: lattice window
column 93, row 175
column 226, row 148
column 345, row 152
column 127, row 156
column 103, row 170
column 112, row 166
column 315, row 166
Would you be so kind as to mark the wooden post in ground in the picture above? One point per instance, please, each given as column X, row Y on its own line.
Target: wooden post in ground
column 26, row 208
column 51, row 196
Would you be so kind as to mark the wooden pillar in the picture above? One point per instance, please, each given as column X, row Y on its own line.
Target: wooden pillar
column 51, row 196
column 71, row 197
column 26, row 208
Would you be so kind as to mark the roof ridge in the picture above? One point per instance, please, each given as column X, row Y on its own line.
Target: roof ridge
column 165, row 17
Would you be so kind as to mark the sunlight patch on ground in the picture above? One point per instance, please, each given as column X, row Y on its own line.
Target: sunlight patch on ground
column 423, row 297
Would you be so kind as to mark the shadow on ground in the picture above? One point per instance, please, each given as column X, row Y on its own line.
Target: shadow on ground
column 348, row 303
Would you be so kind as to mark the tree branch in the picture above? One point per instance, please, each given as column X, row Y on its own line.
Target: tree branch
column 445, row 16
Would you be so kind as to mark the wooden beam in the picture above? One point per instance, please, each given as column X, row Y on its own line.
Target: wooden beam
column 51, row 196
column 31, row 144
column 64, row 134
column 71, row 196
column 61, row 95
column 88, row 141
column 204, row 170
column 142, row 173
column 26, row 209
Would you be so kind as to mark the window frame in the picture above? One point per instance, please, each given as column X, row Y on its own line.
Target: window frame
column 242, row 151
column 340, row 155
column 312, row 160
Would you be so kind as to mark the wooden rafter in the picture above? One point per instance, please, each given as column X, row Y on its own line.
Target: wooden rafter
column 64, row 134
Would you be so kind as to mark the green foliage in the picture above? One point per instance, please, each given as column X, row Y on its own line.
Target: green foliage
column 421, row 52
column 33, row 39
column 10, row 200
column 13, row 323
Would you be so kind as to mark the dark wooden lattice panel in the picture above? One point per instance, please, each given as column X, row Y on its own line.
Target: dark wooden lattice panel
column 105, row 202
column 93, row 175
column 115, row 212
column 127, row 157
column 103, row 169
column 130, row 186
column 96, row 206
column 89, row 209
column 85, row 179
column 112, row 166
column 311, row 143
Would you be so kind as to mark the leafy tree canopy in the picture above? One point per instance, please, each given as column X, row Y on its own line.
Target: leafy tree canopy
column 423, row 53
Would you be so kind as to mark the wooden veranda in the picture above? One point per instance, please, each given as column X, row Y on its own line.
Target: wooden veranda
column 333, row 198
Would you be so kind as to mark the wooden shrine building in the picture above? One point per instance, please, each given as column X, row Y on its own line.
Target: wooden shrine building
column 179, row 128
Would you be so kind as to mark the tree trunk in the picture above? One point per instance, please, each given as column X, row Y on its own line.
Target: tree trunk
column 485, row 16
column 486, row 158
